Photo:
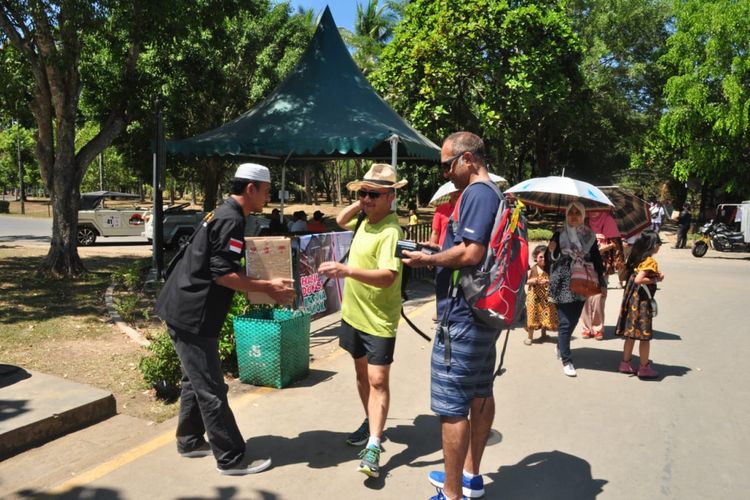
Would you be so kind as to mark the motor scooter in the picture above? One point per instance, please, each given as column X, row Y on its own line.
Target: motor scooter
column 718, row 236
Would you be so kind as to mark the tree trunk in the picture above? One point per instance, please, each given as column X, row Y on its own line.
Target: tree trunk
column 542, row 151
column 337, row 177
column 62, row 259
column 308, row 185
column 213, row 172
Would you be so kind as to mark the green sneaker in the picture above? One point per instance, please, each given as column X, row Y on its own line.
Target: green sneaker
column 370, row 464
column 360, row 436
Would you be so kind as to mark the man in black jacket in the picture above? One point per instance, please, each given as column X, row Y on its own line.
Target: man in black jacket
column 194, row 303
column 684, row 220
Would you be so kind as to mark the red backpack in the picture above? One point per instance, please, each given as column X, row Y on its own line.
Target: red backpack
column 495, row 288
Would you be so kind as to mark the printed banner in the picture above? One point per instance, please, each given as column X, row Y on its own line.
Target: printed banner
column 321, row 296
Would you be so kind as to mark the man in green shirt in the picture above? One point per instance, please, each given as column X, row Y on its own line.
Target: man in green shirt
column 371, row 302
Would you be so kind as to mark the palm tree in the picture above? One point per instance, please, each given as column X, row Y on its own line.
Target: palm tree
column 372, row 31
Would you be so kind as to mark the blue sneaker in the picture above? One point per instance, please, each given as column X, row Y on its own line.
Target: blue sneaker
column 440, row 496
column 472, row 488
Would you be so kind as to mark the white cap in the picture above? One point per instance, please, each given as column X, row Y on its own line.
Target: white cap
column 253, row 172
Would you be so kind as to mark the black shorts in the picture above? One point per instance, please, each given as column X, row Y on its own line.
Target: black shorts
column 379, row 350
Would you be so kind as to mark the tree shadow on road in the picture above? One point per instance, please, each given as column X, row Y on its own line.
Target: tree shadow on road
column 76, row 493
column 545, row 475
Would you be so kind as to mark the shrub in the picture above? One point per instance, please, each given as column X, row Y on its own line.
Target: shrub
column 127, row 307
column 540, row 235
column 131, row 276
column 160, row 367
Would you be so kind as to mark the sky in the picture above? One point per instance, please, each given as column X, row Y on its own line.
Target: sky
column 344, row 11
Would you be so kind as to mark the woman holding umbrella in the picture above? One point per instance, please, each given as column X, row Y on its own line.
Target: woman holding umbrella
column 574, row 245
column 573, row 241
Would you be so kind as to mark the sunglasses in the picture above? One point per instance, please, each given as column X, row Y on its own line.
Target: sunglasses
column 372, row 194
column 447, row 164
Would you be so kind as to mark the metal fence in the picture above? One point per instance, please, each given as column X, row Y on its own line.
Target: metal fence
column 420, row 232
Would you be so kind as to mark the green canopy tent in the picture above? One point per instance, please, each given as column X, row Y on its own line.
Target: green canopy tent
column 324, row 109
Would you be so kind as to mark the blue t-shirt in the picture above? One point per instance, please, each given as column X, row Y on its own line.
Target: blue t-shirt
column 478, row 207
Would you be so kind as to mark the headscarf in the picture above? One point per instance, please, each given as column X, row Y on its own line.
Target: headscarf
column 603, row 223
column 576, row 240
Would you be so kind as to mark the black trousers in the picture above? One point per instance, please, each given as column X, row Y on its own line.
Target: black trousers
column 203, row 402
column 682, row 236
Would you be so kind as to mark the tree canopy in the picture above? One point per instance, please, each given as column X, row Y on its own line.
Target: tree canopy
column 708, row 96
column 509, row 72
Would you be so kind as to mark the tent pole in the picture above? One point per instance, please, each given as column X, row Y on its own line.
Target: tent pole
column 283, row 186
column 394, row 160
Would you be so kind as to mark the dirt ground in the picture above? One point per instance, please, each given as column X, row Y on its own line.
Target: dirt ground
column 63, row 328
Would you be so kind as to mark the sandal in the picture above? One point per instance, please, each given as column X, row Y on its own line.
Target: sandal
column 599, row 336
column 586, row 334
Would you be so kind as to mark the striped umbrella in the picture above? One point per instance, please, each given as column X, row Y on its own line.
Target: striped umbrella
column 631, row 213
column 555, row 193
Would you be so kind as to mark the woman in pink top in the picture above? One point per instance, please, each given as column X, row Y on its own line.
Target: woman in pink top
column 608, row 240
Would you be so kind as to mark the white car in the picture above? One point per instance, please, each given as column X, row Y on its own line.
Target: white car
column 96, row 219
column 179, row 224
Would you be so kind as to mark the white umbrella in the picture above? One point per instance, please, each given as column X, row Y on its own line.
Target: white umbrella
column 442, row 194
column 555, row 193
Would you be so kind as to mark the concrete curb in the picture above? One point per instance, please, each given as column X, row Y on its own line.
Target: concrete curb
column 119, row 323
column 40, row 408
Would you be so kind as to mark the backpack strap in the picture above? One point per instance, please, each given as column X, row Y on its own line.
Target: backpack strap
column 360, row 219
column 454, row 282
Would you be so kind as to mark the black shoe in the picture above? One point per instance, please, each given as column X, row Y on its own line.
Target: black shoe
column 247, row 467
column 203, row 450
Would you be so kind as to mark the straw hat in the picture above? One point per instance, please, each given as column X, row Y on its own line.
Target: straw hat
column 380, row 175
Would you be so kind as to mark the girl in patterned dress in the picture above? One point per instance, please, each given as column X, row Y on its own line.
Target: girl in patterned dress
column 540, row 312
column 636, row 313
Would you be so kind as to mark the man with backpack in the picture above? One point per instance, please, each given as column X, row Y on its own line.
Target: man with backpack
column 463, row 355
column 371, row 302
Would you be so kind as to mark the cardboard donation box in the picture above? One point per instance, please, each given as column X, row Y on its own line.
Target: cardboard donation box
column 267, row 258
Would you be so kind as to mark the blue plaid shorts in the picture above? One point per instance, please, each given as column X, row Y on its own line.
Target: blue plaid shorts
column 468, row 372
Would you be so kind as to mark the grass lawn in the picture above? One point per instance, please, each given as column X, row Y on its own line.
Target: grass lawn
column 62, row 328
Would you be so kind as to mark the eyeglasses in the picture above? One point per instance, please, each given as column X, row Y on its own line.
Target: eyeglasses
column 447, row 164
column 372, row 194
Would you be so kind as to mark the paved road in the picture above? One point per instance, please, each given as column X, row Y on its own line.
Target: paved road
column 36, row 230
column 601, row 435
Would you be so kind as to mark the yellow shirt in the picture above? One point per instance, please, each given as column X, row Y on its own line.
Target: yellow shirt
column 368, row 308
column 648, row 264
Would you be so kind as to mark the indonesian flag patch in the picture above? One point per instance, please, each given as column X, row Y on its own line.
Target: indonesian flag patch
column 235, row 245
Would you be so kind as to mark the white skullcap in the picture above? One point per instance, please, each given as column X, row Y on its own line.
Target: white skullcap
column 253, row 172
